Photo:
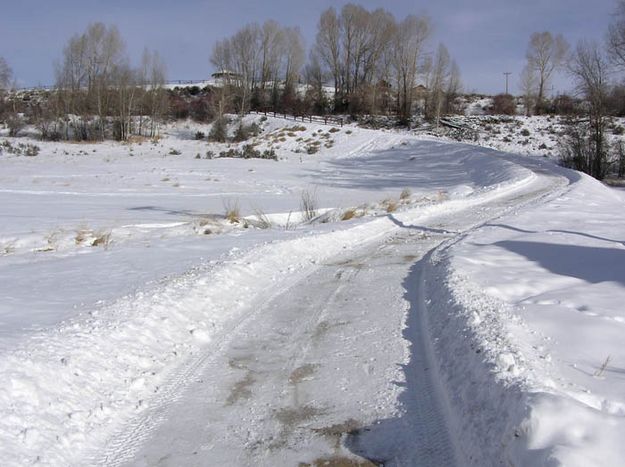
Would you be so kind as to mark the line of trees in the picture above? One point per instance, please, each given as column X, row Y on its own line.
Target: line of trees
column 98, row 93
column 377, row 64
column 374, row 62
column 261, row 64
column 102, row 92
column 592, row 66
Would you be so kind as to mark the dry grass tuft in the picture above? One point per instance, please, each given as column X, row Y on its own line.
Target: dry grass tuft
column 262, row 221
column 442, row 195
column 390, row 205
column 405, row 194
column 348, row 214
column 102, row 238
column 232, row 211
column 309, row 205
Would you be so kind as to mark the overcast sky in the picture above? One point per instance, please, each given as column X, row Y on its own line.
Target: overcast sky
column 486, row 37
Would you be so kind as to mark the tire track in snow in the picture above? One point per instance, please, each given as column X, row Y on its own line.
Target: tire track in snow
column 127, row 440
column 424, row 411
column 284, row 415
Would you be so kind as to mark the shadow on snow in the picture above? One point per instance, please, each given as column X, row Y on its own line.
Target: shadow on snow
column 418, row 435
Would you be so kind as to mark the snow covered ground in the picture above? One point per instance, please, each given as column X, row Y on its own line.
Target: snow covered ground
column 540, row 294
column 130, row 305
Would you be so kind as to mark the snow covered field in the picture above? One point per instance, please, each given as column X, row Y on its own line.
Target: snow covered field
column 481, row 304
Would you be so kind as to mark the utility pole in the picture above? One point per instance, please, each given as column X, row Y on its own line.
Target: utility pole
column 507, row 74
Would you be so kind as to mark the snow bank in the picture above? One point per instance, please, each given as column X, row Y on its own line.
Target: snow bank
column 526, row 314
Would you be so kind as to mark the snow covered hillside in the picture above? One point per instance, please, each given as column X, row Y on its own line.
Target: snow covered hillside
column 370, row 297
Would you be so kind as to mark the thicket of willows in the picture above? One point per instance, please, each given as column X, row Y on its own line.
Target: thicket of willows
column 361, row 62
column 98, row 93
column 374, row 63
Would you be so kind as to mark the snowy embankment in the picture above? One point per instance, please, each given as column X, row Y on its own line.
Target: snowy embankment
column 69, row 387
column 526, row 313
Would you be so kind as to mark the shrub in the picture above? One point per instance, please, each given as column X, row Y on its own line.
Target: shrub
column 219, row 131
column 15, row 124
column 313, row 147
column 241, row 134
column 525, row 132
column 269, row 154
column 308, row 205
column 503, row 104
column 565, row 105
column 248, row 152
column 19, row 149
column 245, row 132
column 296, row 128
column 31, row 150
column 580, row 151
column 199, row 135
column 201, row 109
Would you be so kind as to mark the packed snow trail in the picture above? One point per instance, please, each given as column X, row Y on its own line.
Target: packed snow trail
column 314, row 364
column 336, row 366
column 95, row 388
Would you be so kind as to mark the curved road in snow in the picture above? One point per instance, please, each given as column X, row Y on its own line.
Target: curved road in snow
column 336, row 366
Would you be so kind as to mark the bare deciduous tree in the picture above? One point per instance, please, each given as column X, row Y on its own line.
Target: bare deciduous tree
column 528, row 88
column 272, row 41
column 545, row 54
column 408, row 47
column 255, row 57
column 152, row 79
column 6, row 74
column 293, row 55
column 454, row 87
column 328, row 46
column 616, row 36
column 89, row 62
column 437, row 81
column 590, row 69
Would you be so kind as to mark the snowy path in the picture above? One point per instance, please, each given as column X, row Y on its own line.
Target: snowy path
column 316, row 362
column 248, row 347
column 338, row 359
